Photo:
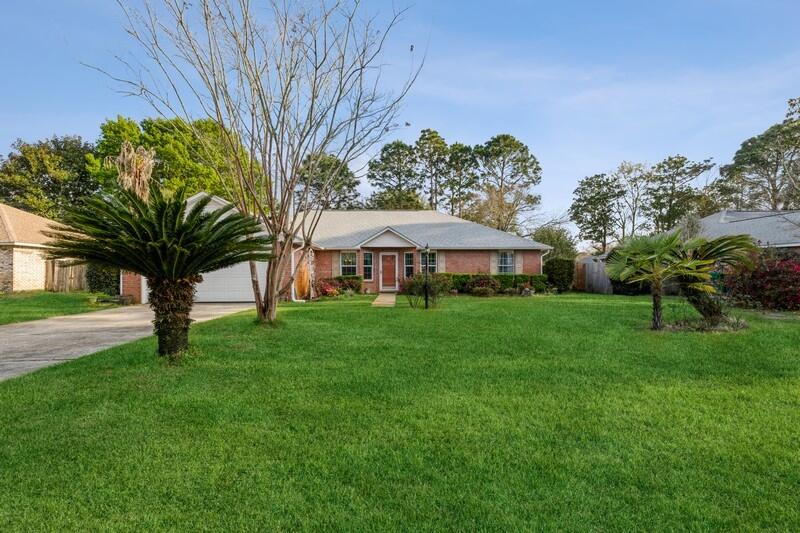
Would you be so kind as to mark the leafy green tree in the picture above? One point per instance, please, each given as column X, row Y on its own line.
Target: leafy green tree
column 394, row 172
column 189, row 156
column 461, row 181
column 657, row 259
column 330, row 183
column 45, row 177
column 670, row 193
column 593, row 208
column 165, row 241
column 432, row 163
column 508, row 172
column 767, row 166
column 396, row 199
column 560, row 238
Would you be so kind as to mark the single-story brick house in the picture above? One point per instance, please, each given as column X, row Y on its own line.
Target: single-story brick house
column 774, row 229
column 383, row 247
column 22, row 250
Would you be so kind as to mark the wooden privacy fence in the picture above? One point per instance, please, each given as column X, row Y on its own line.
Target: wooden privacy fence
column 579, row 283
column 590, row 275
column 60, row 276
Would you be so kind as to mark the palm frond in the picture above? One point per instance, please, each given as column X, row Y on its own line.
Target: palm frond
column 158, row 237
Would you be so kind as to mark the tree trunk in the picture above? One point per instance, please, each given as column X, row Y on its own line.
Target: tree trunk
column 260, row 308
column 171, row 301
column 269, row 308
column 705, row 304
column 655, row 290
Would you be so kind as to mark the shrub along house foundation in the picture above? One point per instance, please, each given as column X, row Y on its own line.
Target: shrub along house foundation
column 383, row 247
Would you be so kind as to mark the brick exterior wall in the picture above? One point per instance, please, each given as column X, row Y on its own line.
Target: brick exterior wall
column 6, row 269
column 455, row 261
column 132, row 286
column 468, row 261
column 29, row 269
column 531, row 261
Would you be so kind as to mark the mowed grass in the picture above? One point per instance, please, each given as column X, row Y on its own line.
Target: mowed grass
column 33, row 305
column 484, row 414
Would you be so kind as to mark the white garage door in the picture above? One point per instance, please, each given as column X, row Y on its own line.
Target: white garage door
column 230, row 284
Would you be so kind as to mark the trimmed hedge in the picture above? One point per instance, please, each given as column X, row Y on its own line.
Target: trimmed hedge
column 560, row 273
column 464, row 283
column 353, row 283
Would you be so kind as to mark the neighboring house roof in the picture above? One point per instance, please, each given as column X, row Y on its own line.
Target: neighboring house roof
column 21, row 227
column 353, row 229
column 350, row 230
column 767, row 228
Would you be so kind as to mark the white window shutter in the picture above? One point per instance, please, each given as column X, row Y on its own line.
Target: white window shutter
column 493, row 262
column 440, row 265
column 337, row 264
column 517, row 262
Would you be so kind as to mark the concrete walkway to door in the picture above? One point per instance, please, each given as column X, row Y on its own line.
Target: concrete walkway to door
column 28, row 346
column 384, row 299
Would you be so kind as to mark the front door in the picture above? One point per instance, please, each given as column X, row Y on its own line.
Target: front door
column 388, row 272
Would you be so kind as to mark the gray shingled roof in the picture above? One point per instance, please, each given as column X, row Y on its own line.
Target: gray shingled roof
column 767, row 228
column 348, row 229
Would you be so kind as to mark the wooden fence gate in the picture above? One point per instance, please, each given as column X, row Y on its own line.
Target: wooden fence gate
column 62, row 277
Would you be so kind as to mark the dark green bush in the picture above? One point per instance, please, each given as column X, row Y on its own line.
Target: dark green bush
column 483, row 290
column 499, row 283
column 353, row 283
column 439, row 285
column 629, row 289
column 458, row 282
column 560, row 273
column 506, row 281
column 483, row 280
column 102, row 279
column 535, row 282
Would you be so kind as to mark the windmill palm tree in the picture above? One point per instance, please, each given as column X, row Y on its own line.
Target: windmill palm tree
column 722, row 252
column 657, row 259
column 162, row 239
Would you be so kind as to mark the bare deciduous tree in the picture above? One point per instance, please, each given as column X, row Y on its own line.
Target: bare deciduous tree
column 631, row 179
column 286, row 82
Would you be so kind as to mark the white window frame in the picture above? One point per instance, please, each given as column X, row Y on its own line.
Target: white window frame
column 354, row 265
column 365, row 266
column 425, row 264
column 500, row 264
column 406, row 266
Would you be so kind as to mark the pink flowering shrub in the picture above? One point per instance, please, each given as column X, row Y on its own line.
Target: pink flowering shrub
column 328, row 287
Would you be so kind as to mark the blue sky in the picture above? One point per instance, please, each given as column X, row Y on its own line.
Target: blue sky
column 586, row 84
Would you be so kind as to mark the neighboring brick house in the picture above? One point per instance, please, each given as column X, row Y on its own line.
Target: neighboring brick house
column 384, row 247
column 22, row 250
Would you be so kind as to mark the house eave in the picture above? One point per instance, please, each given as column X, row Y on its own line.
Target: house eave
column 16, row 244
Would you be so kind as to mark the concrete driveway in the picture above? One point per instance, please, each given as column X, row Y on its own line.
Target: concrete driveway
column 28, row 346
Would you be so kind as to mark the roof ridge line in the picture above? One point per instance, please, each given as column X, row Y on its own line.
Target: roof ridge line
column 12, row 236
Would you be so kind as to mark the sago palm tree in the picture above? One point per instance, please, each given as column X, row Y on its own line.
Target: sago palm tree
column 657, row 259
column 164, row 241
column 721, row 252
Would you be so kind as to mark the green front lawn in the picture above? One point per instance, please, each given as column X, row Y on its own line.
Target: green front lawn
column 507, row 413
column 33, row 305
